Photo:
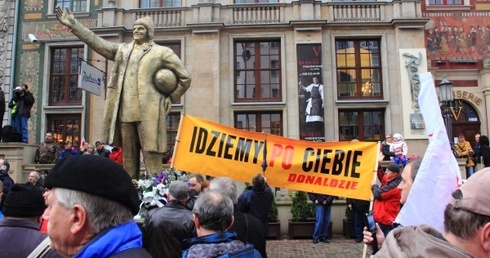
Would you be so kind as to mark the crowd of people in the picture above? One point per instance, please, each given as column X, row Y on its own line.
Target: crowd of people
column 86, row 204
column 50, row 151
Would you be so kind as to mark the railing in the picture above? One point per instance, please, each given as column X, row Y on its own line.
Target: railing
column 356, row 12
column 162, row 17
column 262, row 13
column 256, row 14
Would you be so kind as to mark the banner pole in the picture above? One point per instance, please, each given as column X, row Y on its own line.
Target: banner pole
column 375, row 170
column 177, row 137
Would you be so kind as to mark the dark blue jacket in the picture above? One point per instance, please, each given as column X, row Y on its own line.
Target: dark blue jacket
column 257, row 202
column 321, row 197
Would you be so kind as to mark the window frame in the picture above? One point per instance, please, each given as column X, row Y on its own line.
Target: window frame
column 276, row 130
column 54, row 3
column 67, row 74
column 274, row 74
column 361, row 124
column 159, row 3
column 62, row 136
column 361, row 86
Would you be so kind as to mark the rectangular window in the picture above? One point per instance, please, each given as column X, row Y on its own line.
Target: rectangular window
column 445, row 2
column 173, row 121
column 160, row 3
column 75, row 6
column 65, row 127
column 364, row 125
column 255, row 1
column 63, row 86
column 257, row 71
column 359, row 69
column 267, row 122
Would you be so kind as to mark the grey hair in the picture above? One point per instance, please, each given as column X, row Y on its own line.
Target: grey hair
column 102, row 213
column 214, row 211
column 38, row 175
column 461, row 223
column 224, row 186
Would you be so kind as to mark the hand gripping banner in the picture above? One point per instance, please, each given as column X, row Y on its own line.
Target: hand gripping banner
column 342, row 169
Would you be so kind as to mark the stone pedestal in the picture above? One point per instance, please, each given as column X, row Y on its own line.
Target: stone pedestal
column 17, row 155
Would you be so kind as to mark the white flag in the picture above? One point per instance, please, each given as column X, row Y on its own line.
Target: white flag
column 439, row 173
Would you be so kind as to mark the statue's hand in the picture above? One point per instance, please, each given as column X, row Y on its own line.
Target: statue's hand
column 66, row 18
column 167, row 104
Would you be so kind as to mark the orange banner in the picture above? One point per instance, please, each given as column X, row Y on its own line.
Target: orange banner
column 343, row 169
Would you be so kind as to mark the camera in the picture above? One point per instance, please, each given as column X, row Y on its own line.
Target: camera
column 19, row 91
column 32, row 38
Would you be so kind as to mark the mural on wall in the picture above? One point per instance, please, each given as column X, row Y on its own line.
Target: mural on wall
column 458, row 36
column 33, row 5
column 45, row 30
column 3, row 40
column 29, row 67
column 310, row 92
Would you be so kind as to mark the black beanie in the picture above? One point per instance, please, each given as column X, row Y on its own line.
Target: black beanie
column 23, row 201
column 95, row 175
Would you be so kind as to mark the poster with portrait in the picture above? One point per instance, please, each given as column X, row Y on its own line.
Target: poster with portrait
column 310, row 92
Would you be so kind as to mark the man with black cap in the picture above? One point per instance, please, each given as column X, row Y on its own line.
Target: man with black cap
column 91, row 205
column 19, row 229
column 166, row 227
column 387, row 197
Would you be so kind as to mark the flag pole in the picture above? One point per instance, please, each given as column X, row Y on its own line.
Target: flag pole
column 177, row 137
column 375, row 170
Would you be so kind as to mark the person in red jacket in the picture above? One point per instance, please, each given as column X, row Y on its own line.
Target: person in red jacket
column 116, row 155
column 387, row 197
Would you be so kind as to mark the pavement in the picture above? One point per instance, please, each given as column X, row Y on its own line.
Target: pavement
column 339, row 246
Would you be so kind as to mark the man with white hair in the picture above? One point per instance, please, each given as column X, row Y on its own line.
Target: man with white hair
column 213, row 216
column 166, row 227
column 91, row 205
column 247, row 227
column 35, row 179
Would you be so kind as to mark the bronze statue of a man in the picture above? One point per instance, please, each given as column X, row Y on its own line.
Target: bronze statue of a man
column 135, row 111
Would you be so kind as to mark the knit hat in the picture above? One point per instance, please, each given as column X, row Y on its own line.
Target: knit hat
column 149, row 25
column 95, row 175
column 24, row 201
column 474, row 194
column 398, row 136
column 178, row 190
column 393, row 168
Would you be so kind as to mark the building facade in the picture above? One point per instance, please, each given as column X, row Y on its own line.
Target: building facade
column 457, row 39
column 313, row 70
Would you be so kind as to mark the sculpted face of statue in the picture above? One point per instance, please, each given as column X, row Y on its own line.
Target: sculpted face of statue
column 140, row 34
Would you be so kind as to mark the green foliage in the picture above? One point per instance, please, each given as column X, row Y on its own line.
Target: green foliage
column 300, row 209
column 273, row 213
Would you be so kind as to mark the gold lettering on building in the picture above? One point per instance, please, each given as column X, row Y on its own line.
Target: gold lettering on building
column 459, row 94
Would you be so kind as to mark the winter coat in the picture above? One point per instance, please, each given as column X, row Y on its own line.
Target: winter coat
column 165, row 228
column 18, row 238
column 419, row 241
column 387, row 199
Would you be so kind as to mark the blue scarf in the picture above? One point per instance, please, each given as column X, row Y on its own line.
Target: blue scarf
column 113, row 241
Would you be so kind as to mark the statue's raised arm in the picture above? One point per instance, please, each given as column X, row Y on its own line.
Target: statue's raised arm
column 103, row 47
column 66, row 18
